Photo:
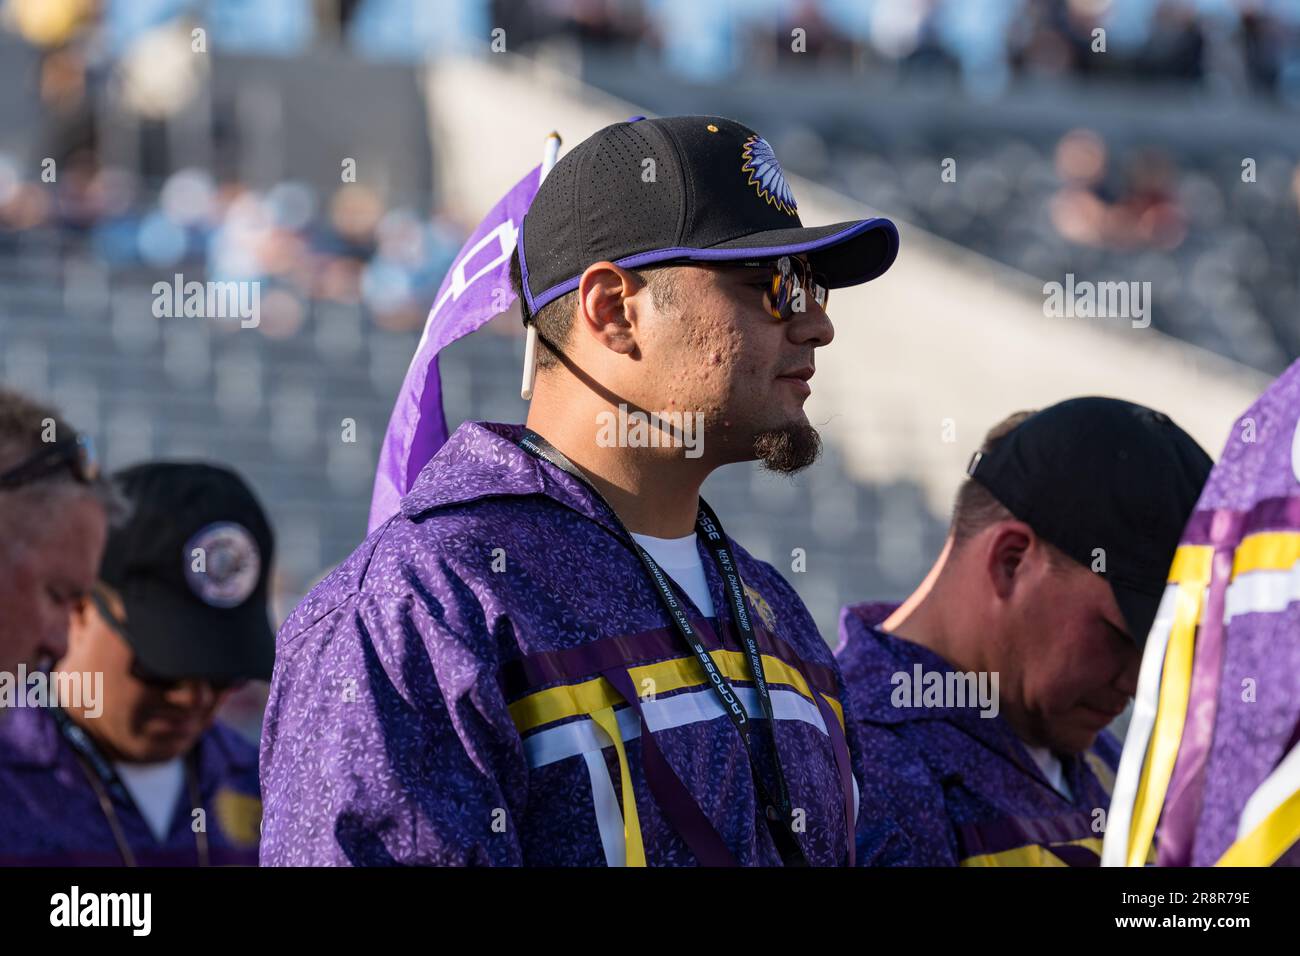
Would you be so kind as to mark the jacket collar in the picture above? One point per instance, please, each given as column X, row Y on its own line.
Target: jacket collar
column 886, row 654
column 483, row 460
column 883, row 656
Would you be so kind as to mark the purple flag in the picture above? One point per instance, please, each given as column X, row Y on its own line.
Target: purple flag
column 1212, row 748
column 476, row 288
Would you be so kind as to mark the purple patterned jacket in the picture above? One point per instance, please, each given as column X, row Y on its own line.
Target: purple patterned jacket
column 455, row 693
column 965, row 789
column 51, row 816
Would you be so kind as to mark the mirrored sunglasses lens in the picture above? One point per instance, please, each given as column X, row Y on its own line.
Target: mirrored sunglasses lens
column 821, row 291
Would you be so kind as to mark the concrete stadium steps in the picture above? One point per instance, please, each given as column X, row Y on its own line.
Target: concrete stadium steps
column 271, row 409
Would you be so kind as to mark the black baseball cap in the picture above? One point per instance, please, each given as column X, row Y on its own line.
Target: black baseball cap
column 191, row 564
column 714, row 192
column 1103, row 473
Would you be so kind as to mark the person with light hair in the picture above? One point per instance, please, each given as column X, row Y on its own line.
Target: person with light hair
column 54, row 514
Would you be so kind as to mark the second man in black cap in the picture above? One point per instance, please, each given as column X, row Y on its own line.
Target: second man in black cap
column 147, row 776
column 982, row 700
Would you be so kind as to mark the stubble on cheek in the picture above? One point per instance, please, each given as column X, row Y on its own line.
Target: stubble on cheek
column 703, row 379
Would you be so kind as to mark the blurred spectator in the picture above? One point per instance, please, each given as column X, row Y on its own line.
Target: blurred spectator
column 133, row 769
column 1145, row 213
column 1176, row 47
column 53, row 521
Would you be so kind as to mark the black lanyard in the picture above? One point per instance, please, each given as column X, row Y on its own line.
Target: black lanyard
column 778, row 813
column 107, row 784
column 90, row 755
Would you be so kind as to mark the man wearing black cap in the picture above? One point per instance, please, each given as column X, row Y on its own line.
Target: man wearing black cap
column 553, row 655
column 982, row 699
column 178, row 619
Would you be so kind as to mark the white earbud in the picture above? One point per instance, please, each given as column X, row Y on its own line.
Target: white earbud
column 530, row 363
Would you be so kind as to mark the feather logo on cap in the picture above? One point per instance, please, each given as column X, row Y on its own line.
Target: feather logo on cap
column 765, row 174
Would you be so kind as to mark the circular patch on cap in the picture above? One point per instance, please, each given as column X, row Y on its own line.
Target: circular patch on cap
column 222, row 564
column 765, row 174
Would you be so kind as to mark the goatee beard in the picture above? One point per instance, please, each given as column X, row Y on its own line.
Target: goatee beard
column 788, row 449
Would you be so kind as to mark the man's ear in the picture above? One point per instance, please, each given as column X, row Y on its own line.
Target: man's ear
column 606, row 308
column 1008, row 543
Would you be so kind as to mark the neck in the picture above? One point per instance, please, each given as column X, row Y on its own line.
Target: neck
column 654, row 491
column 941, row 615
column 925, row 618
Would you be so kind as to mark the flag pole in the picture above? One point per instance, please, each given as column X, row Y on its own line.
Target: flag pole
column 549, row 156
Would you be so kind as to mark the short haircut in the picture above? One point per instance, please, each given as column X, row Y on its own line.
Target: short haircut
column 25, row 426
column 554, row 320
column 976, row 508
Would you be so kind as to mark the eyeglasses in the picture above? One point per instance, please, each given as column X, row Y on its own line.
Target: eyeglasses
column 789, row 276
column 99, row 597
column 76, row 453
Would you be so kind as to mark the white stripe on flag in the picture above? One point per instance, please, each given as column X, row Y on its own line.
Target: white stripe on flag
column 1119, row 818
column 1262, row 592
